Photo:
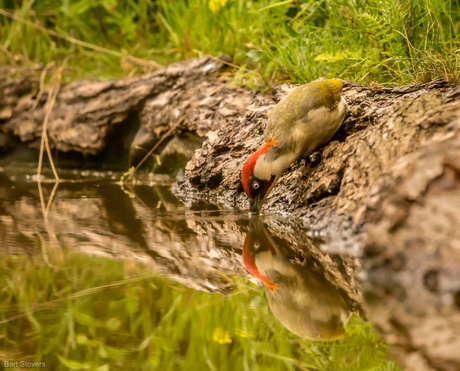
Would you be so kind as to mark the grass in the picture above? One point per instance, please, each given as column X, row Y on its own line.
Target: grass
column 389, row 41
column 88, row 313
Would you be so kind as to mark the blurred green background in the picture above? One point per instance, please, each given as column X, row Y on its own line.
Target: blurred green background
column 380, row 41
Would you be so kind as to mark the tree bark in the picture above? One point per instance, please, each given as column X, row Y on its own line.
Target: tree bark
column 186, row 96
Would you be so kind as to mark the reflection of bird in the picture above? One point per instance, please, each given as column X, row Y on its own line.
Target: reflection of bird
column 299, row 297
column 304, row 121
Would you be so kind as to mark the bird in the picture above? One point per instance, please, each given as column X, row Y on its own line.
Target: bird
column 300, row 297
column 300, row 124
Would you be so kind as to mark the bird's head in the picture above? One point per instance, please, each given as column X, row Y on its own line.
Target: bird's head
column 258, row 242
column 257, row 177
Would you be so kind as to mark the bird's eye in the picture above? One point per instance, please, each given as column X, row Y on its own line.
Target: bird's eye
column 256, row 245
column 255, row 185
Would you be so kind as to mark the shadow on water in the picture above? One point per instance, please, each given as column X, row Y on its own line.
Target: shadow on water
column 193, row 250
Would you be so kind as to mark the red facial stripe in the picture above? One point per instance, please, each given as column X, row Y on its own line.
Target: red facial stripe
column 248, row 167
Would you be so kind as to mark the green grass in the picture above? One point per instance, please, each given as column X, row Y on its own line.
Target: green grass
column 387, row 41
column 98, row 314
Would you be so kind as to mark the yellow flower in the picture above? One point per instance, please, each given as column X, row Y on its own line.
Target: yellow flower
column 221, row 337
column 215, row 5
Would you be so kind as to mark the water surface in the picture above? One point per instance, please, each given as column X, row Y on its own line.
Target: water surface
column 99, row 275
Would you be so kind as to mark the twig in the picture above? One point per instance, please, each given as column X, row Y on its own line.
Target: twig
column 49, row 109
column 42, row 198
column 52, row 95
column 174, row 126
column 165, row 135
column 42, row 84
column 44, row 143
column 50, row 200
column 93, row 290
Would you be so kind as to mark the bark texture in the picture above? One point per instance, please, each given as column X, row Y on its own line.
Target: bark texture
column 187, row 97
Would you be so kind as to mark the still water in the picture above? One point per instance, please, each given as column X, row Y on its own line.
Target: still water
column 95, row 275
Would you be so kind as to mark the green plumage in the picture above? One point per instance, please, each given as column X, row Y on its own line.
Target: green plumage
column 302, row 122
column 300, row 101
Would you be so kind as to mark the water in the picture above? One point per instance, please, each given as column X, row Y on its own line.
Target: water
column 97, row 275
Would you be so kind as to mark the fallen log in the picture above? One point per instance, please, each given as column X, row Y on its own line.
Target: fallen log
column 101, row 118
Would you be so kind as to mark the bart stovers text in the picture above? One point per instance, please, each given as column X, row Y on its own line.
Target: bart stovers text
column 23, row 364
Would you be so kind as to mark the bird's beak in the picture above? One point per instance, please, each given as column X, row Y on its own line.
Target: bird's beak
column 255, row 205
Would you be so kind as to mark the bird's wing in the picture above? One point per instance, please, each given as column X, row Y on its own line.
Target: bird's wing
column 298, row 103
column 284, row 114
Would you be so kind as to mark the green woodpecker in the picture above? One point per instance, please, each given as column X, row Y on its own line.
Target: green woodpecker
column 299, row 297
column 301, row 123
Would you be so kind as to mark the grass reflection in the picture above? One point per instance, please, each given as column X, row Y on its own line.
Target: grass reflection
column 100, row 314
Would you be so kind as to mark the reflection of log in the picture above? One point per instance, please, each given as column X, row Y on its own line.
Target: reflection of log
column 196, row 248
column 391, row 170
column 126, row 229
